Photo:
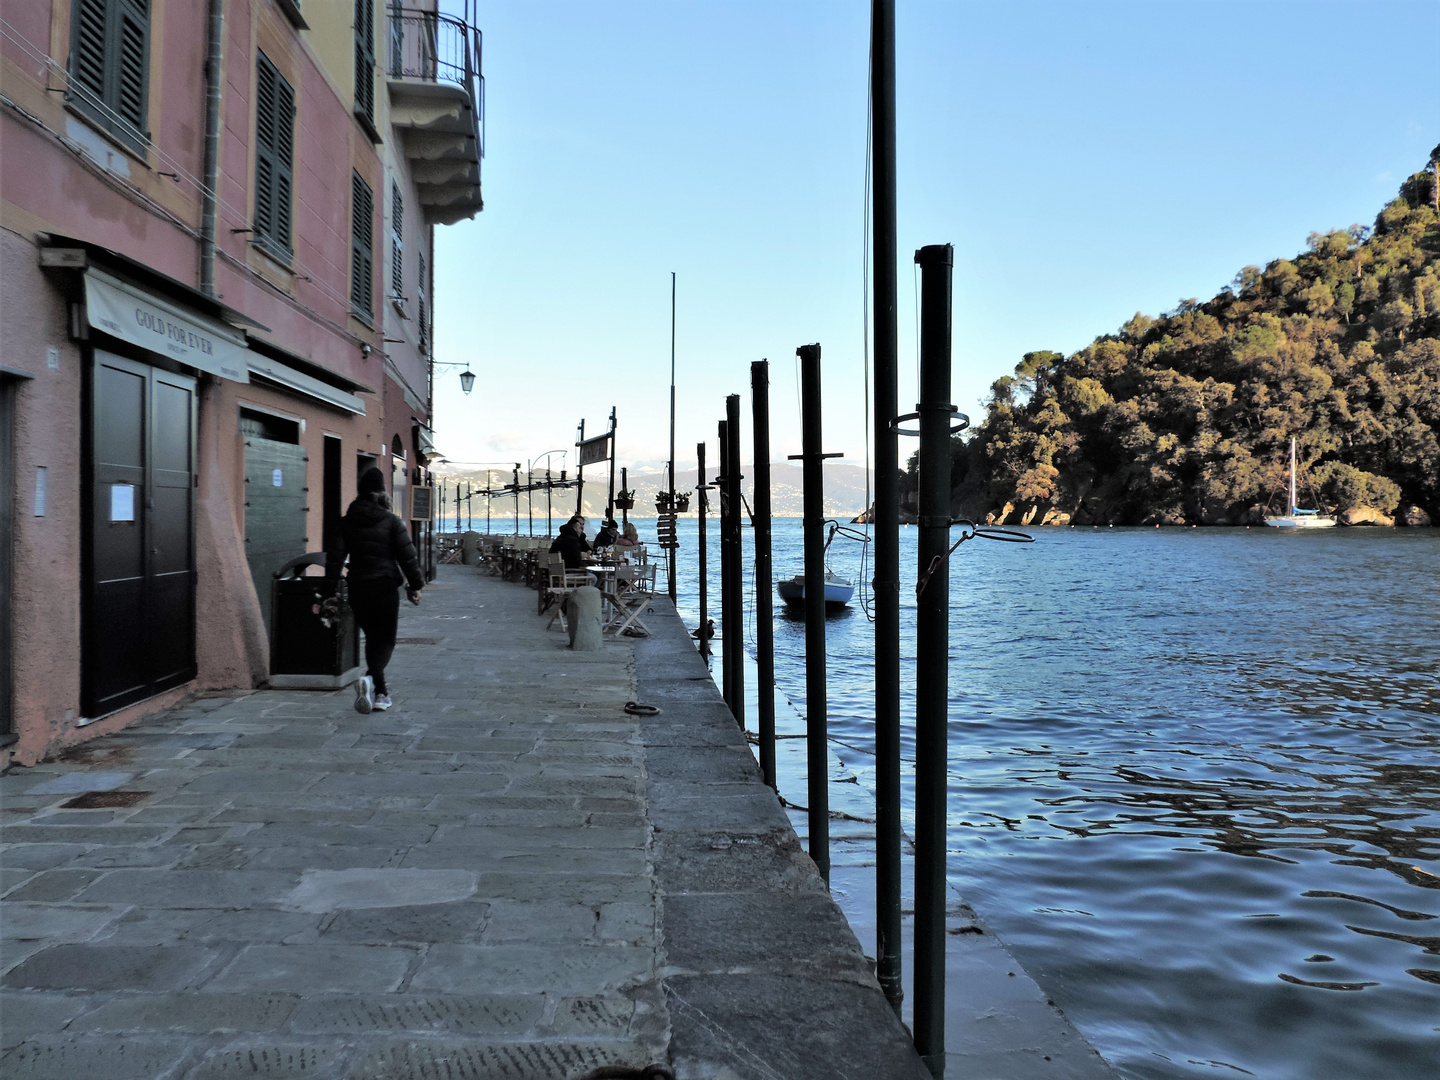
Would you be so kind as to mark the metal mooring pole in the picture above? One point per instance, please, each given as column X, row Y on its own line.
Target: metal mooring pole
column 764, row 598
column 701, row 505
column 932, row 652
column 735, row 597
column 885, row 515
column 817, row 750
column 728, row 633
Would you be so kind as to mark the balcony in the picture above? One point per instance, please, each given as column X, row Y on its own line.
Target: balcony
column 437, row 105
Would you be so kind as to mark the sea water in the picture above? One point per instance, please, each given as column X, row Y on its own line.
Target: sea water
column 1194, row 782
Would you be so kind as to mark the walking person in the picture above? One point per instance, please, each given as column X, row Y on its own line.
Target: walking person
column 382, row 558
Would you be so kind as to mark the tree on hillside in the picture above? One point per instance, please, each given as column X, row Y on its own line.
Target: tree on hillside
column 1188, row 417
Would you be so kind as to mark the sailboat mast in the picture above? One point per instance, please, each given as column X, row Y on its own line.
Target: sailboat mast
column 1293, row 504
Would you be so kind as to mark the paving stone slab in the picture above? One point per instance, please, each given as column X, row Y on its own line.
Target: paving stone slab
column 533, row 967
column 111, row 967
column 52, row 886
column 422, row 924
column 773, row 932
column 203, row 1013
column 51, row 923
column 260, row 1057
column 39, row 856
column 511, row 1015
column 97, row 1058
column 190, row 888
column 486, row 1061
column 26, row 1014
column 315, row 969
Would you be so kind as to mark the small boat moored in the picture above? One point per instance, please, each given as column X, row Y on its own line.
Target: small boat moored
column 838, row 590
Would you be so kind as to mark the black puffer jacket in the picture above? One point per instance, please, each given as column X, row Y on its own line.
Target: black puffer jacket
column 377, row 544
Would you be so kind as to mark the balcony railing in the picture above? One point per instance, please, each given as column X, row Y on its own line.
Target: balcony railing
column 431, row 47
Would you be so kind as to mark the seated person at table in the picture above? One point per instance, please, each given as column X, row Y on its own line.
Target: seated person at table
column 571, row 543
column 607, row 535
column 631, row 537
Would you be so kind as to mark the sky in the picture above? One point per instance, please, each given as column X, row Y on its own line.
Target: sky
column 1087, row 161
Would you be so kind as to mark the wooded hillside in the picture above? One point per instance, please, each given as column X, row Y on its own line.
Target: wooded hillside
column 1187, row 418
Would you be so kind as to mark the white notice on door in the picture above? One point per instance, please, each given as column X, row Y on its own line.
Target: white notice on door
column 122, row 502
column 277, row 478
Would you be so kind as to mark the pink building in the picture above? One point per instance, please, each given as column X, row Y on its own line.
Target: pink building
column 216, row 223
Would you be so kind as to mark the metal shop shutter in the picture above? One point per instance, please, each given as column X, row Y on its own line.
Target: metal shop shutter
column 275, row 507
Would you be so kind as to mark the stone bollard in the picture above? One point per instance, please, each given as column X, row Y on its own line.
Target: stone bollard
column 582, row 612
column 470, row 548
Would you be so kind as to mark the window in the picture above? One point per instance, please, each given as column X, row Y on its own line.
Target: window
column 397, row 243
column 362, row 262
column 110, row 65
column 422, row 313
column 365, row 61
column 274, row 158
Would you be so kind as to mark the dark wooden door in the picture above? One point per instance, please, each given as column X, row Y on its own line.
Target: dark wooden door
column 139, row 612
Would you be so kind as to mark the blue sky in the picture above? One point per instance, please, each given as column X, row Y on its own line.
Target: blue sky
column 1086, row 160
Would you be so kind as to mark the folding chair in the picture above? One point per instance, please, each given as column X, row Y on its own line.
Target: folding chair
column 634, row 591
column 560, row 583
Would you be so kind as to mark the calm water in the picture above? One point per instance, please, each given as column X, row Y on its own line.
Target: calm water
column 1194, row 783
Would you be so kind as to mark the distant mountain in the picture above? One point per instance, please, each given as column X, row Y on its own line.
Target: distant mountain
column 845, row 494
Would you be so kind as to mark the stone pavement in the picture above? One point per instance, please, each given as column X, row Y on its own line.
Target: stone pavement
column 506, row 875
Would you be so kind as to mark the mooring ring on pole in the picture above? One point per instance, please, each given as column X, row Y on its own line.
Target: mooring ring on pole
column 948, row 409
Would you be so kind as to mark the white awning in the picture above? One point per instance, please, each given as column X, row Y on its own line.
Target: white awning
column 154, row 322
column 288, row 377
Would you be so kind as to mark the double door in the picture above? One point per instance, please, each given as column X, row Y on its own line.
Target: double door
column 139, row 558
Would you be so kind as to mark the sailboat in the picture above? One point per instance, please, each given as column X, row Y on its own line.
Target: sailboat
column 1298, row 518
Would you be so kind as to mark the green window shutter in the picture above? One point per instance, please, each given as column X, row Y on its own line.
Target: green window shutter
column 362, row 273
column 87, row 48
column 110, row 65
column 132, row 53
column 365, row 59
column 284, row 161
column 397, row 242
column 274, row 157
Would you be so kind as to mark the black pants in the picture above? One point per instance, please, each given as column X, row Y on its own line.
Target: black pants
column 377, row 609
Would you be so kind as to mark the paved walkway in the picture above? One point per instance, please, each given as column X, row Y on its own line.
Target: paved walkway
column 504, row 876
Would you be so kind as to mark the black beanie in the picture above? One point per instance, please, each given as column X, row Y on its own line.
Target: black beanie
column 371, row 480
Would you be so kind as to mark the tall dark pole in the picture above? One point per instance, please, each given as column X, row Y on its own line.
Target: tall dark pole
column 885, row 514
column 817, row 751
column 932, row 652
column 610, row 499
column 549, row 489
column 674, row 551
column 701, row 505
column 530, row 495
column 735, row 596
column 516, row 486
column 625, row 487
column 728, row 633
column 764, row 599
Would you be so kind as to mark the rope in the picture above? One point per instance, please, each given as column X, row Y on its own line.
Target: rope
column 968, row 529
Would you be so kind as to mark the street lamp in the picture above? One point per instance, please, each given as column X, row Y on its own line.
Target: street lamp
column 467, row 379
column 530, row 477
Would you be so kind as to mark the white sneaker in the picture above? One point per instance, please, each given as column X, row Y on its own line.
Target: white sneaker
column 365, row 694
column 382, row 702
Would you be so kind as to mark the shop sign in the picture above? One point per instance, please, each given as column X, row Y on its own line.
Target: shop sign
column 595, row 450
column 159, row 325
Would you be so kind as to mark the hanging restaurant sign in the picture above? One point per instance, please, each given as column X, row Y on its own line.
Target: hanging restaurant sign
column 422, row 503
column 595, row 450
column 132, row 314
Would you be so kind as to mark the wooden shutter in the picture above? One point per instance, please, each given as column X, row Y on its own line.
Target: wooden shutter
column 274, row 157
column 423, row 309
column 397, row 242
column 87, row 47
column 132, row 54
column 365, row 59
column 362, row 216
column 110, row 64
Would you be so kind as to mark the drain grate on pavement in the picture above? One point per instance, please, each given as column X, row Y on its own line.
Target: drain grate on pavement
column 103, row 800
column 417, row 641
